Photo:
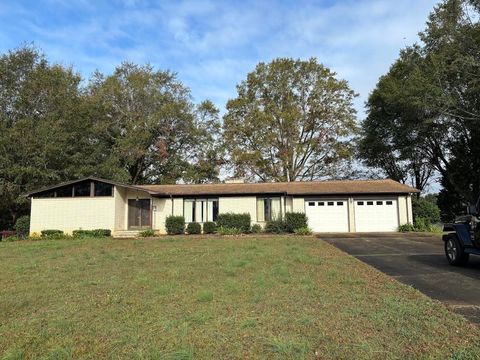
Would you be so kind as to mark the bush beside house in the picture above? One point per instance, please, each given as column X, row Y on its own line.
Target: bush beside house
column 209, row 227
column 194, row 228
column 175, row 225
column 234, row 221
column 22, row 226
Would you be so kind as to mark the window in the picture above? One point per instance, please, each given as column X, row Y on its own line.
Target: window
column 47, row 194
column 340, row 203
column 65, row 191
column 321, row 203
column 311, row 203
column 200, row 210
column 330, row 203
column 103, row 189
column 389, row 202
column 369, row 202
column 379, row 202
column 360, row 203
column 82, row 189
column 269, row 208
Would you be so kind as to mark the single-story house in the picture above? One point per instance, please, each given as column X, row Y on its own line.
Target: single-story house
column 331, row 206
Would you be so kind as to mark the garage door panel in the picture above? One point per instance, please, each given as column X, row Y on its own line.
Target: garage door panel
column 327, row 215
column 376, row 215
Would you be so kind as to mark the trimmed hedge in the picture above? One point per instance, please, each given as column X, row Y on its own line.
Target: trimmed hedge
column 194, row 228
column 234, row 221
column 175, row 225
column 97, row 233
column 209, row 227
column 295, row 220
column 52, row 234
column 256, row 229
column 275, row 227
column 22, row 226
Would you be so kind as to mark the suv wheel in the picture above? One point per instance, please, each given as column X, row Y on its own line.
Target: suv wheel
column 454, row 251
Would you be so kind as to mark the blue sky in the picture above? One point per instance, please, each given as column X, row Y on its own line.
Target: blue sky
column 212, row 45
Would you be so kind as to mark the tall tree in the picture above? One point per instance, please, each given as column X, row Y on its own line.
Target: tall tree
column 291, row 120
column 394, row 134
column 147, row 123
column 43, row 133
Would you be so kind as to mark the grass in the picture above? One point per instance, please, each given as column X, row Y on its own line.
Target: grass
column 278, row 297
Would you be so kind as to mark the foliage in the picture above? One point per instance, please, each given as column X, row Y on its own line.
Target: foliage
column 150, row 128
column 421, row 225
column 97, row 233
column 256, row 229
column 194, row 228
column 275, row 227
column 225, row 230
column 52, row 234
column 289, row 121
column 406, row 228
column 295, row 220
column 209, row 227
column 22, row 226
column 237, row 221
column 303, row 231
column 175, row 225
column 427, row 209
column 147, row 233
column 424, row 114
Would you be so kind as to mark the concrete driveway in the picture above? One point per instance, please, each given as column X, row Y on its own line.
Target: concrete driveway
column 419, row 261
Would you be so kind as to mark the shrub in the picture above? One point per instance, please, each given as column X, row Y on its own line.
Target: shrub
column 22, row 226
column 303, row 231
column 97, row 233
column 147, row 233
column 426, row 209
column 295, row 220
column 275, row 227
column 256, row 229
column 175, row 225
column 209, row 227
column 237, row 221
column 420, row 224
column 222, row 230
column 52, row 234
column 406, row 228
column 194, row 228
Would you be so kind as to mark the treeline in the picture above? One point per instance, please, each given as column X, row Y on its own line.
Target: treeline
column 291, row 120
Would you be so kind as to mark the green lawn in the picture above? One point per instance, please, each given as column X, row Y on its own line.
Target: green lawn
column 279, row 297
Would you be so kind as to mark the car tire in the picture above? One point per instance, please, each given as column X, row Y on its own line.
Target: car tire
column 454, row 252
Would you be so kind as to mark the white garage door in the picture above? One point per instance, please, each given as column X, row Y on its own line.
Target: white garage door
column 376, row 215
column 327, row 215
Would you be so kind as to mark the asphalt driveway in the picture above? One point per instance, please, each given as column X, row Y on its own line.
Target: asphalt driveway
column 418, row 261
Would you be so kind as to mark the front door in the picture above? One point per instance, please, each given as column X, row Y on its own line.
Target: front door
column 139, row 214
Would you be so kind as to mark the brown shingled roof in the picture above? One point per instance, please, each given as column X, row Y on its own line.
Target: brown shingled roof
column 335, row 187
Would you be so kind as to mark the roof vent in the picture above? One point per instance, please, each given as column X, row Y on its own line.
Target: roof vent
column 235, row 181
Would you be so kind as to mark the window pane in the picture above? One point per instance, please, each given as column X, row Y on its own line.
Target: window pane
column 47, row 194
column 311, row 203
column 189, row 209
column 103, row 189
column 82, row 189
column 200, row 210
column 389, row 203
column 369, row 202
column 340, row 203
column 330, row 203
column 215, row 210
column 379, row 202
column 267, row 209
column 321, row 203
column 276, row 211
column 260, row 210
column 360, row 203
column 65, row 191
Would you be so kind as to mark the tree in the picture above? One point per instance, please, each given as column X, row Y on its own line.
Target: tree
column 395, row 132
column 148, row 125
column 291, row 120
column 43, row 133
